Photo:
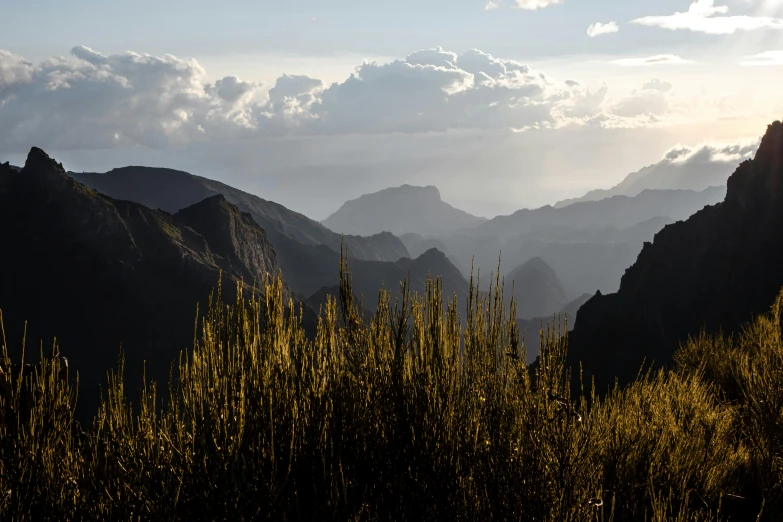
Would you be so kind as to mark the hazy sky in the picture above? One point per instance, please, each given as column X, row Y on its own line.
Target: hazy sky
column 502, row 104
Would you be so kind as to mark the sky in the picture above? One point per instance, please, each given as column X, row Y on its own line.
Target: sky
column 502, row 104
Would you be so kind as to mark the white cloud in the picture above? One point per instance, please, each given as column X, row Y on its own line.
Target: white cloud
column 700, row 17
column 732, row 153
column 535, row 4
column 599, row 28
column 529, row 5
column 90, row 100
column 765, row 58
column 657, row 85
column 660, row 59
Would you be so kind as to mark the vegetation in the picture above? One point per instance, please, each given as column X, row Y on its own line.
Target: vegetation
column 413, row 413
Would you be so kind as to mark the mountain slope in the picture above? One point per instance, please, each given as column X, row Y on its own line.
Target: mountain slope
column 367, row 277
column 172, row 190
column 715, row 270
column 400, row 210
column 537, row 289
column 99, row 273
column 617, row 211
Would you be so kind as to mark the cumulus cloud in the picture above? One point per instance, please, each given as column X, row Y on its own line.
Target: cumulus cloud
column 598, row 28
column 92, row 100
column 734, row 153
column 701, row 17
column 660, row 59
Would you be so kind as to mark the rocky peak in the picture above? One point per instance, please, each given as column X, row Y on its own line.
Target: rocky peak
column 758, row 183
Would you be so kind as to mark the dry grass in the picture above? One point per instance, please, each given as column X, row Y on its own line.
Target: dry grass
column 419, row 412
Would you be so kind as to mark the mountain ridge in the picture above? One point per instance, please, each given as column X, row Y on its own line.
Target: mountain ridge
column 100, row 273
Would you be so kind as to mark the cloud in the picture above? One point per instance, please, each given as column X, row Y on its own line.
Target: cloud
column 535, row 4
column 91, row 100
column 529, row 5
column 598, row 29
column 701, row 18
column 733, row 153
column 765, row 58
column 660, row 59
column 657, row 85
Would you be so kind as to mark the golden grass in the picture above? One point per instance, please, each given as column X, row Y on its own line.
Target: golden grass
column 416, row 413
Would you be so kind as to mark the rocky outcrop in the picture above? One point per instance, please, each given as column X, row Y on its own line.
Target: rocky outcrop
column 715, row 270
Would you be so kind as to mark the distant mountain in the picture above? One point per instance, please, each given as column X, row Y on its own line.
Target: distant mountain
column 417, row 244
column 617, row 211
column 537, row 289
column 172, row 190
column 367, row 277
column 400, row 210
column 100, row 273
column 681, row 169
column 589, row 245
column 715, row 270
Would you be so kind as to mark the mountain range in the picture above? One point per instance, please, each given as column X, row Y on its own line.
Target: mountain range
column 122, row 259
column 307, row 252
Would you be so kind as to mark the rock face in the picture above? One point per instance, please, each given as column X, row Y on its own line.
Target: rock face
column 715, row 270
column 537, row 289
column 99, row 273
column 400, row 210
column 173, row 190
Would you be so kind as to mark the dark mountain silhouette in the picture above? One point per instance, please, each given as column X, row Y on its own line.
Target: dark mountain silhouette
column 99, row 273
column 367, row 277
column 308, row 267
column 537, row 289
column 400, row 210
column 715, row 270
column 172, row 190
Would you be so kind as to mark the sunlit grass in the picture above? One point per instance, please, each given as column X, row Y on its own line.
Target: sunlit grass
column 425, row 410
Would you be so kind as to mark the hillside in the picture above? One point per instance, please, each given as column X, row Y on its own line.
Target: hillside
column 368, row 277
column 400, row 210
column 172, row 190
column 714, row 270
column 99, row 273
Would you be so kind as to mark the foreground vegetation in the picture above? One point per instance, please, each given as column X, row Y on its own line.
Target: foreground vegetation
column 414, row 413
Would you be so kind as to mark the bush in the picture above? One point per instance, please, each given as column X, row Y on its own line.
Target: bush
column 412, row 414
